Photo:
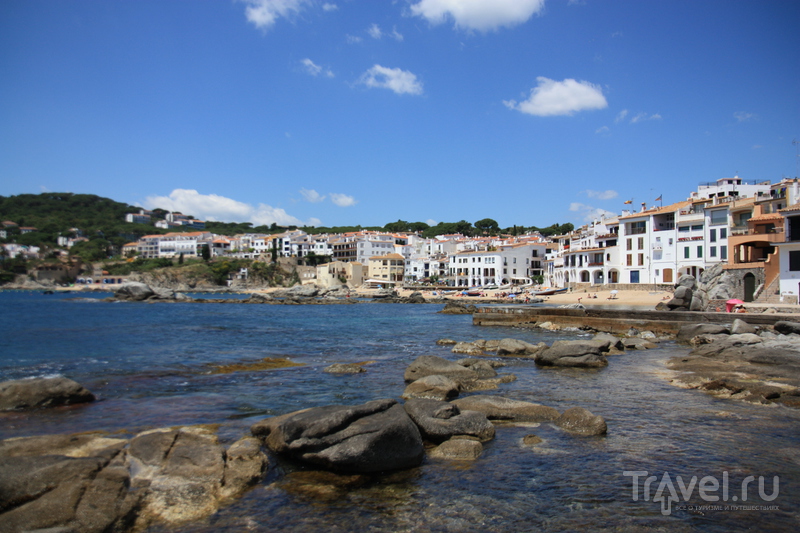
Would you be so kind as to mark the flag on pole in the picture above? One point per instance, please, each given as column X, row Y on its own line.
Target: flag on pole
column 659, row 198
column 628, row 202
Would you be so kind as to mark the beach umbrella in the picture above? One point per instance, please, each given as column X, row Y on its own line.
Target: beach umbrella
column 615, row 291
column 730, row 304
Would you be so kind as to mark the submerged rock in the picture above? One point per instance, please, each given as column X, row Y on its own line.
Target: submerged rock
column 458, row 449
column 345, row 368
column 429, row 365
column 580, row 421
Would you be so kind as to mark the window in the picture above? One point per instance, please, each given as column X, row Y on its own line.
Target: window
column 670, row 241
column 794, row 261
column 697, row 227
column 641, row 243
column 630, row 260
column 683, row 228
column 630, row 244
column 712, row 235
column 641, row 259
column 686, row 252
column 719, row 217
column 636, row 228
column 723, row 233
column 699, row 251
column 712, row 251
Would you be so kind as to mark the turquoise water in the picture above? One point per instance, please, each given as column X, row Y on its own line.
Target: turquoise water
column 149, row 366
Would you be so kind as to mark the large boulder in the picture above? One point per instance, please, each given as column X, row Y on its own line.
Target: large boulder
column 298, row 291
column 784, row 327
column 434, row 387
column 682, row 298
column 516, row 347
column 35, row 393
column 580, row 421
column 506, row 409
column 582, row 354
column 429, row 365
column 457, row 449
column 372, row 437
column 688, row 331
column 134, row 290
column 439, row 421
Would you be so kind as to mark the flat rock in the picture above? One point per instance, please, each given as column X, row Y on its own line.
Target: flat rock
column 344, row 368
column 506, row 409
column 429, row 365
column 688, row 331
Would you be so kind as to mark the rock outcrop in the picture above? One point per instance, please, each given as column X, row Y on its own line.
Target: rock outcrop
column 93, row 483
column 580, row 421
column 435, row 387
column 36, row 393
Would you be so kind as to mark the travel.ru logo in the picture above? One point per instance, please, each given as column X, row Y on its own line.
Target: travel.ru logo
column 708, row 489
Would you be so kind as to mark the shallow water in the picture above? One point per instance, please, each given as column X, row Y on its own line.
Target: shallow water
column 149, row 364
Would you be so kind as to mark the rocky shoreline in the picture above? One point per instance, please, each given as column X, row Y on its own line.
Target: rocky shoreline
column 95, row 482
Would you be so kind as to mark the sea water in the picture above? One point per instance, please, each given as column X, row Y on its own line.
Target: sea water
column 151, row 365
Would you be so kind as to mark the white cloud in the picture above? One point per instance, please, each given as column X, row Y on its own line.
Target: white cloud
column 552, row 97
column 397, row 36
column 342, row 200
column 602, row 129
column 329, row 7
column 222, row 209
column 315, row 70
column 588, row 212
column 264, row 13
column 621, row 116
column 399, row 81
column 431, row 222
column 601, row 195
column 312, row 196
column 741, row 116
column 481, row 15
column 640, row 117
column 353, row 39
column 375, row 32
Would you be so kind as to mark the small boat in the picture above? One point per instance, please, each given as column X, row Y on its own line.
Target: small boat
column 550, row 292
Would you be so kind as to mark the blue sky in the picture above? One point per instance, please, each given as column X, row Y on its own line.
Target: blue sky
column 344, row 112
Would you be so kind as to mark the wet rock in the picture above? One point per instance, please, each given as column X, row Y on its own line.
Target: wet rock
column 439, row 421
column 446, row 342
column 506, row 409
column 638, row 344
column 371, row 437
column 296, row 292
column 512, row 347
column 245, row 465
column 531, row 440
column 416, row 298
column 42, row 392
column 433, row 387
column 429, row 365
column 482, row 368
column 344, row 368
column 457, row 449
column 580, row 421
column 581, row 354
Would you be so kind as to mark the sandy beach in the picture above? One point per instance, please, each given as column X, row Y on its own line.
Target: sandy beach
column 603, row 298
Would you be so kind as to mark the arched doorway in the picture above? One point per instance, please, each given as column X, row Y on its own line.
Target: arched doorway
column 749, row 287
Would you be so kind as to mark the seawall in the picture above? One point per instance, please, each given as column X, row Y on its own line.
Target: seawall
column 617, row 321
